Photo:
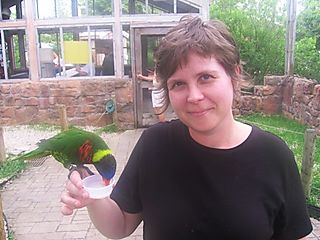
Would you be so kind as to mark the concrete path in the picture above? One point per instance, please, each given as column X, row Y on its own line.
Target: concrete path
column 31, row 202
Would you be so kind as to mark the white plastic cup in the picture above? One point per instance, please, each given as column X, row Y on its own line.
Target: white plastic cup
column 96, row 188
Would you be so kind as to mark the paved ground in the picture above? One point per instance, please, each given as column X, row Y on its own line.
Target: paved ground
column 32, row 205
column 31, row 202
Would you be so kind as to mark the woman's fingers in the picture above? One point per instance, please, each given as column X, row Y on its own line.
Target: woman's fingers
column 74, row 196
column 71, row 201
column 75, row 178
column 65, row 210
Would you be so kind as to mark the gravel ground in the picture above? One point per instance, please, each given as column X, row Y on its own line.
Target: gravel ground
column 24, row 138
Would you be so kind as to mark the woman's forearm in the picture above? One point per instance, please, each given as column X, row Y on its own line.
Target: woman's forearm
column 110, row 220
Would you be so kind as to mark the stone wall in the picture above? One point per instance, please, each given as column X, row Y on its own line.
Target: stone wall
column 85, row 100
column 301, row 101
column 296, row 98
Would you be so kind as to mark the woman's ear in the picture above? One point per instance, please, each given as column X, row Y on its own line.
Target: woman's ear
column 238, row 69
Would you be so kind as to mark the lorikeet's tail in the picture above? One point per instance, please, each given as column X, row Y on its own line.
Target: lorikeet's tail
column 33, row 155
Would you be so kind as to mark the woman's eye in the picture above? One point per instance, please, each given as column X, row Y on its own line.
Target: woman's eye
column 206, row 77
column 176, row 84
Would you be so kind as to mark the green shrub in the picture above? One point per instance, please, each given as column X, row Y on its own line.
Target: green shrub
column 307, row 58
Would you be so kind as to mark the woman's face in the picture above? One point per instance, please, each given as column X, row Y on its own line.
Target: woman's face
column 201, row 94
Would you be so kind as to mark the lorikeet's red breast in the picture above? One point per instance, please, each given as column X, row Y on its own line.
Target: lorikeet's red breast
column 86, row 153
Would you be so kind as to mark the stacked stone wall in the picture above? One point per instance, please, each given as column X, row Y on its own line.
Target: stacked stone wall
column 85, row 101
column 301, row 101
column 294, row 97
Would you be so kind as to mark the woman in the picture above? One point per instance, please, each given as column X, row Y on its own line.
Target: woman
column 206, row 175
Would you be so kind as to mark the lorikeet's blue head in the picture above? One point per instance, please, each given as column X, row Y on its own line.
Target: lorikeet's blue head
column 106, row 167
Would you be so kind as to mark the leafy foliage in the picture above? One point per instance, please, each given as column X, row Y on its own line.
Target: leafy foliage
column 307, row 53
column 307, row 58
column 309, row 21
column 258, row 28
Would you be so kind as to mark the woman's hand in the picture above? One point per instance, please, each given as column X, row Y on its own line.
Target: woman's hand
column 74, row 196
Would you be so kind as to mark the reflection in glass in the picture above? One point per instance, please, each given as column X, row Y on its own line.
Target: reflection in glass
column 102, row 44
column 126, row 50
column 99, row 7
column 86, row 51
column 11, row 10
column 150, row 7
column 13, row 55
column 51, row 61
column 72, row 8
column 46, row 9
column 183, row 7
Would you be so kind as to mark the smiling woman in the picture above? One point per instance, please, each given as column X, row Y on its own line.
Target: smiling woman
column 201, row 94
column 205, row 175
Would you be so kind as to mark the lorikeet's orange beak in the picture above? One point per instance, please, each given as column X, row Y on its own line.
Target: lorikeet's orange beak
column 106, row 181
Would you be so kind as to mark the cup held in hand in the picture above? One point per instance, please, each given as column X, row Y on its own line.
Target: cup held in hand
column 96, row 188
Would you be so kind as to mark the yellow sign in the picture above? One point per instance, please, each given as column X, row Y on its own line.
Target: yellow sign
column 76, row 52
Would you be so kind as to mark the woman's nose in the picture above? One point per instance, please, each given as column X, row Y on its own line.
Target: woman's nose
column 194, row 94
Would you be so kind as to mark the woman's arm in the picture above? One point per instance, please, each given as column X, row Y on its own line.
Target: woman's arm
column 110, row 220
column 145, row 78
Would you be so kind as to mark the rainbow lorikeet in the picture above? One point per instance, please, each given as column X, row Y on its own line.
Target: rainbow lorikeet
column 77, row 147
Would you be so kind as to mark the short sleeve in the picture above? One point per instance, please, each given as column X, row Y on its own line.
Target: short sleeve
column 126, row 191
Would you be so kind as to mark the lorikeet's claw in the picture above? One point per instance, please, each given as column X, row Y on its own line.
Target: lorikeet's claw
column 82, row 170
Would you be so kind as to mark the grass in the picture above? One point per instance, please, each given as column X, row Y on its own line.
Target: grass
column 292, row 133
column 111, row 128
column 11, row 236
column 10, row 168
column 43, row 127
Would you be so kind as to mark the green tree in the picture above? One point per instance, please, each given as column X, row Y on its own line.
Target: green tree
column 309, row 21
column 307, row 53
column 307, row 58
column 259, row 30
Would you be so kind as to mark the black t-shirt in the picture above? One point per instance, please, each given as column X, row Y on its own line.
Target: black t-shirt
column 185, row 190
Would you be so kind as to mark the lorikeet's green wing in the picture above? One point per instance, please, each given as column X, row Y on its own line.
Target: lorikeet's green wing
column 74, row 146
column 77, row 147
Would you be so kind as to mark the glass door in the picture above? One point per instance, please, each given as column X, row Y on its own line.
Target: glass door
column 145, row 42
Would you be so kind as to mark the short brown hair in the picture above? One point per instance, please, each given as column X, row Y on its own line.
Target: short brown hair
column 205, row 38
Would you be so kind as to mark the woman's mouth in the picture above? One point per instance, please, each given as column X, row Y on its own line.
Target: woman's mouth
column 199, row 113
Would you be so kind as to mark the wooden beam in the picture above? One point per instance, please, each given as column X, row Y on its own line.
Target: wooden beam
column 308, row 160
column 5, row 25
column 290, row 37
column 117, row 41
column 63, row 117
column 32, row 41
